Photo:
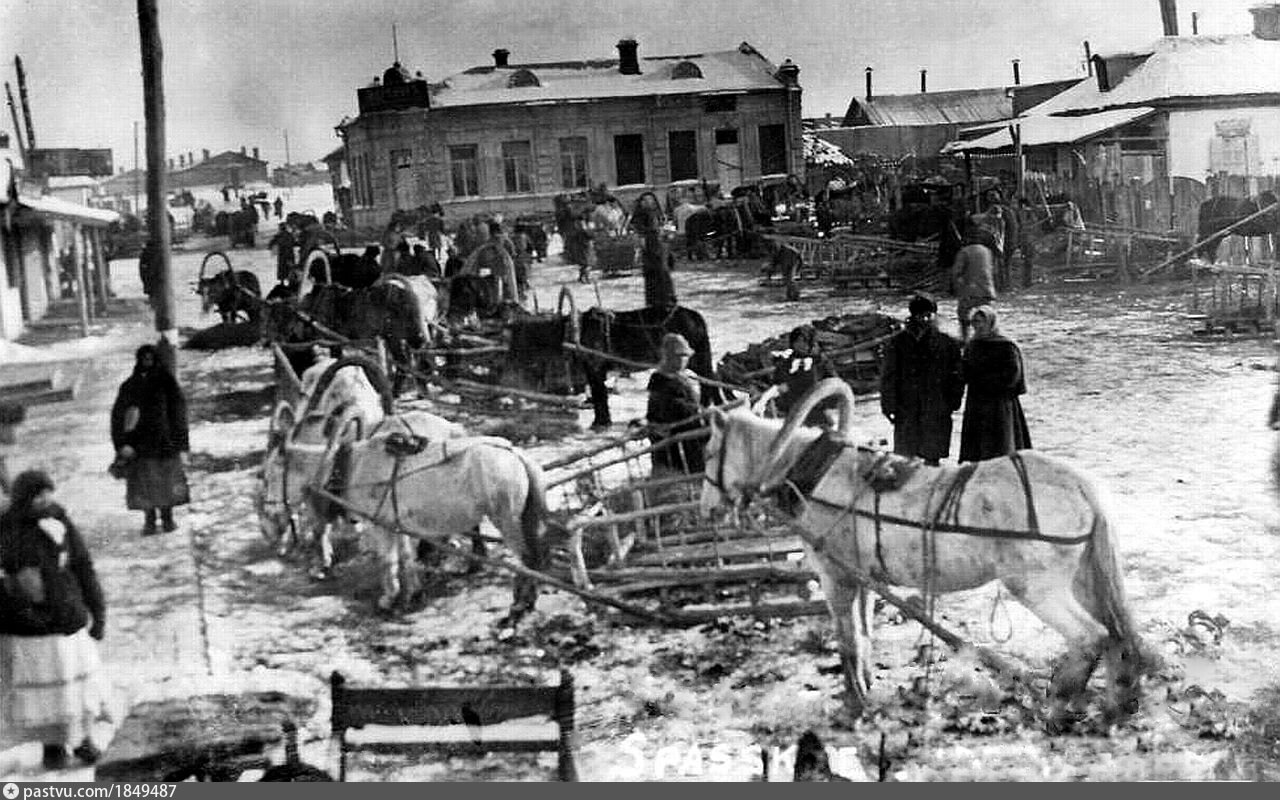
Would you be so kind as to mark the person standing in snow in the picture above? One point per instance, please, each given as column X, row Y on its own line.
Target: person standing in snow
column 149, row 432
column 52, row 614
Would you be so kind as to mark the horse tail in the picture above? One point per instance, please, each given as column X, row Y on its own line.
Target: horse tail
column 534, row 513
column 371, row 370
column 1099, row 585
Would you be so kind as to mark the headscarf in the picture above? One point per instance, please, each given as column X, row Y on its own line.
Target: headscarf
column 27, row 486
column 989, row 312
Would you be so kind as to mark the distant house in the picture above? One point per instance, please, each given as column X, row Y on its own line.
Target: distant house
column 303, row 174
column 234, row 171
column 40, row 236
column 1154, row 132
column 508, row 137
column 921, row 124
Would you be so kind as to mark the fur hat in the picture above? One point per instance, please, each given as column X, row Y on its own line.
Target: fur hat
column 675, row 344
column 922, row 304
column 27, row 485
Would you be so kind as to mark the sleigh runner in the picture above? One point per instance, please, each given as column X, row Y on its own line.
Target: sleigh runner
column 638, row 534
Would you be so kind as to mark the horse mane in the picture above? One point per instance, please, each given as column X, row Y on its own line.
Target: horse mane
column 371, row 370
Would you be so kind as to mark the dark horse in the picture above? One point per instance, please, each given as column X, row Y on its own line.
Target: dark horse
column 1222, row 212
column 636, row 335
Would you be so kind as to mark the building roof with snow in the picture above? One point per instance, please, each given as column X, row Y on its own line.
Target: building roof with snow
column 742, row 69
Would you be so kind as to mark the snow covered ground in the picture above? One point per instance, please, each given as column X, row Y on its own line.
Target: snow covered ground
column 1173, row 426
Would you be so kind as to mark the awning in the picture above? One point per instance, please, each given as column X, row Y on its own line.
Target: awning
column 1051, row 130
column 64, row 209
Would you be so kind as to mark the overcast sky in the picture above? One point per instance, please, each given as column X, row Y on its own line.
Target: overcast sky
column 241, row 72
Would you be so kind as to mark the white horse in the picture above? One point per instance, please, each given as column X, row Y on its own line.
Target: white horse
column 1029, row 521
column 438, row 488
column 294, row 461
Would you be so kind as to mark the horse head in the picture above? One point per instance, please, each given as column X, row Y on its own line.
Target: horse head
column 749, row 455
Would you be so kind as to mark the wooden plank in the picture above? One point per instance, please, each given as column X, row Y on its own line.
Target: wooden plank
column 764, row 610
column 26, row 387
column 608, row 520
column 755, row 547
column 355, row 708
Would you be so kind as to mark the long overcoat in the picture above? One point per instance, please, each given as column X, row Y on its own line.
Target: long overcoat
column 921, row 384
column 994, row 424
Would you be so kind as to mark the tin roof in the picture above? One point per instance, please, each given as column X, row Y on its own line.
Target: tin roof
column 741, row 69
column 63, row 209
column 1043, row 130
column 1182, row 68
column 961, row 106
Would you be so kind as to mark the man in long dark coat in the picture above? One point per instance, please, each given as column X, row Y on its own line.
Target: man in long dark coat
column 921, row 384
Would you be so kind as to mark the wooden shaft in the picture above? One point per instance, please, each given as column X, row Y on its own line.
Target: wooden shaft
column 577, row 348
column 501, row 563
column 1210, row 237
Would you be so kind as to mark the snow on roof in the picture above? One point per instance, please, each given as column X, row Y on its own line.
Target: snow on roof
column 742, row 69
column 1182, row 67
column 1042, row 130
column 58, row 207
column 936, row 108
column 70, row 181
column 820, row 151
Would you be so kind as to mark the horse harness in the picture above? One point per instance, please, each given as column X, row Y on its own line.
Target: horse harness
column 887, row 472
column 653, row 333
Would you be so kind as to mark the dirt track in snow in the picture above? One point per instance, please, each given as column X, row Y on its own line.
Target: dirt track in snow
column 1173, row 426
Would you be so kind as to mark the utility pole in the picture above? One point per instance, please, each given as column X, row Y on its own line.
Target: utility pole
column 136, row 172
column 17, row 128
column 26, row 105
column 287, row 159
column 162, row 299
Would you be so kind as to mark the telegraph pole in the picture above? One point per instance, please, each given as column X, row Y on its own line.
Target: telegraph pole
column 162, row 299
column 136, row 172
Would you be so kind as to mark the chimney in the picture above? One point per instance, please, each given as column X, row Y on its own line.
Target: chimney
column 924, row 86
column 500, row 57
column 1100, row 69
column 242, row 150
column 171, row 165
column 1088, row 58
column 1017, row 75
column 869, row 83
column 1266, row 21
column 1169, row 16
column 182, row 160
column 255, row 154
column 628, row 60
column 205, row 152
column 1195, row 23
column 789, row 73
column 191, row 159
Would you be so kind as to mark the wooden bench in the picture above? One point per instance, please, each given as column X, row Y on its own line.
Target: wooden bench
column 467, row 721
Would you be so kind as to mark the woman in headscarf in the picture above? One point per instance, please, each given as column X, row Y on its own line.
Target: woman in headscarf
column 674, row 396
column 52, row 612
column 149, row 432
column 994, row 424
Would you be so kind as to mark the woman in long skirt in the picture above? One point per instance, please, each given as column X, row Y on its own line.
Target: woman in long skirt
column 52, row 613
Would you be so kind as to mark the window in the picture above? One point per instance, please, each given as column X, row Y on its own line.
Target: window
column 628, row 158
column 403, row 186
column 683, row 146
column 773, row 149
column 517, row 166
column 463, row 170
column 361, row 181
column 573, row 162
